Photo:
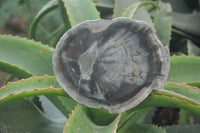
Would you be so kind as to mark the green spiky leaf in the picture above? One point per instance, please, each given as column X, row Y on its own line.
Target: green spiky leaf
column 187, row 22
column 174, row 95
column 131, row 117
column 196, row 84
column 183, row 128
column 14, row 70
column 180, row 6
column 163, row 23
column 26, row 54
column 80, row 10
column 131, row 11
column 51, row 5
column 64, row 15
column 60, row 31
column 30, row 87
column 185, row 90
column 184, row 69
column 64, row 103
column 46, row 85
column 100, row 116
column 50, row 109
column 192, row 48
column 186, row 117
column 20, row 116
column 121, row 6
column 143, row 128
column 80, row 122
column 104, row 3
column 138, row 12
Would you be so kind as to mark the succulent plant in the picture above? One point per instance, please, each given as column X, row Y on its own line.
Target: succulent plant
column 112, row 64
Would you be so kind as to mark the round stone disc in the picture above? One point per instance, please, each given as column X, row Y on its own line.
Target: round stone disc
column 111, row 64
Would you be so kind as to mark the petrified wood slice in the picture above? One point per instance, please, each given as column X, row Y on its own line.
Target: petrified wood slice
column 111, row 64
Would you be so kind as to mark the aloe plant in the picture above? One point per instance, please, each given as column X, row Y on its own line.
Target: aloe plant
column 36, row 103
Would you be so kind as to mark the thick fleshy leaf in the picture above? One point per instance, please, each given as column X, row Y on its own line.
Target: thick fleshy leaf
column 6, row 79
column 46, row 85
column 183, row 128
column 64, row 14
column 138, row 12
column 20, row 116
column 185, row 90
column 65, row 104
column 121, row 6
column 32, row 56
column 14, row 70
column 50, row 109
column 30, row 87
column 180, row 6
column 104, row 3
column 163, row 23
column 186, row 117
column 143, row 15
column 173, row 96
column 143, row 128
column 184, row 69
column 80, row 122
column 193, row 38
column 80, row 10
column 149, row 115
column 195, row 84
column 131, row 11
column 187, row 22
column 192, row 48
column 51, row 5
column 129, row 118
column 100, row 116
column 58, row 35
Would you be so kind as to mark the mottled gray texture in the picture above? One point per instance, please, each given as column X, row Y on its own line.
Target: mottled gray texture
column 112, row 64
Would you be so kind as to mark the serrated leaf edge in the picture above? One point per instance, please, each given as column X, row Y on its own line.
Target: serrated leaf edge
column 51, row 88
column 70, row 115
column 177, row 99
column 25, row 38
column 184, row 85
column 33, row 77
column 17, row 67
column 117, row 123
